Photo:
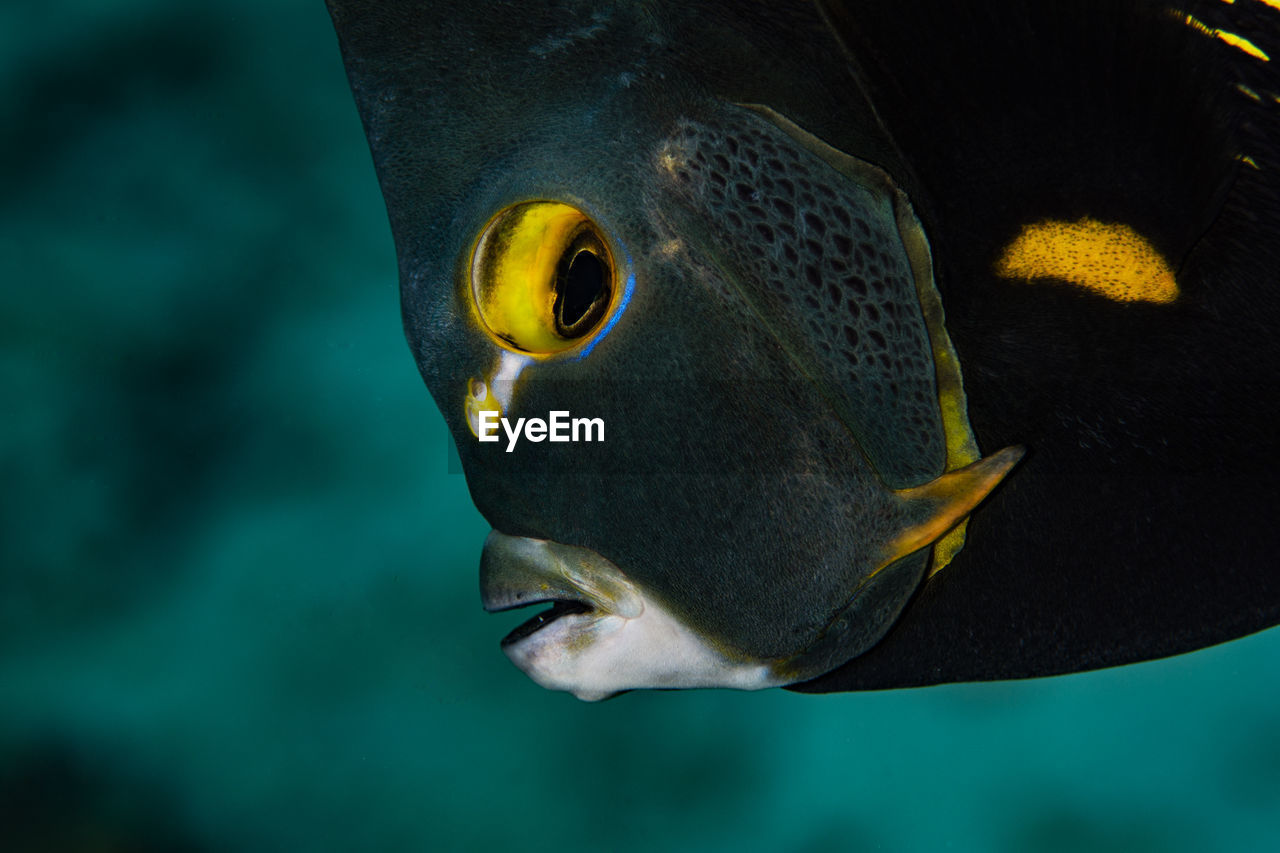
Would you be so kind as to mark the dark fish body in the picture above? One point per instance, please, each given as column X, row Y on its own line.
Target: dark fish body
column 784, row 257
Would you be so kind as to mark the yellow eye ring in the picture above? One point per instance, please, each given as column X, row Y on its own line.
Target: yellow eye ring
column 542, row 277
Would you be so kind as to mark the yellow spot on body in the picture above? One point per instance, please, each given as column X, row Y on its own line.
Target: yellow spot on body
column 1111, row 260
column 671, row 248
column 1248, row 161
column 1238, row 42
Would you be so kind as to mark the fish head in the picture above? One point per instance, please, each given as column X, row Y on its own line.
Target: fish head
column 743, row 310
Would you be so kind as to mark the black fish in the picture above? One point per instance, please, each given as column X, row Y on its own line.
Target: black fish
column 801, row 267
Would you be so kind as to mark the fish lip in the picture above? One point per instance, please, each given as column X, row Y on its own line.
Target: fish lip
column 504, row 605
column 505, row 599
column 561, row 608
column 583, row 587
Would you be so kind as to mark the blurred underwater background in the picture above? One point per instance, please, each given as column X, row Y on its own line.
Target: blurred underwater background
column 238, row 587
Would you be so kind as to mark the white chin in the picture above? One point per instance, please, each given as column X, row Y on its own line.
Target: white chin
column 594, row 656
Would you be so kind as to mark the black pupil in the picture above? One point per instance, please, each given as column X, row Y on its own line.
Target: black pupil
column 580, row 289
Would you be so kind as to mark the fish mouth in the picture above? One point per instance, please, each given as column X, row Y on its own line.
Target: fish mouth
column 559, row 607
column 602, row 634
column 582, row 587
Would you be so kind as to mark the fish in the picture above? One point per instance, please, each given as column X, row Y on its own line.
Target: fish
column 926, row 342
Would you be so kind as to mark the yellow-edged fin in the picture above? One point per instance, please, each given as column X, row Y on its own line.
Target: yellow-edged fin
column 1248, row 93
column 1238, row 42
column 939, row 505
column 1111, row 260
column 962, row 447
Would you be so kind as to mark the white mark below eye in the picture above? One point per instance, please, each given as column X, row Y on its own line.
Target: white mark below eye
column 510, row 366
column 495, row 394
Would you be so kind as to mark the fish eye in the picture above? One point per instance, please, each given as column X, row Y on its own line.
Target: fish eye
column 542, row 277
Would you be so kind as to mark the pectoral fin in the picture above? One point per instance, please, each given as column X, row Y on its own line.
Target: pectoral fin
column 930, row 510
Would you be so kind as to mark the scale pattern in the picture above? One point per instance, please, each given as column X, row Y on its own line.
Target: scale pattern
column 820, row 258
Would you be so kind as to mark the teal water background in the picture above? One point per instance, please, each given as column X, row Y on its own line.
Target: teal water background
column 238, row 589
